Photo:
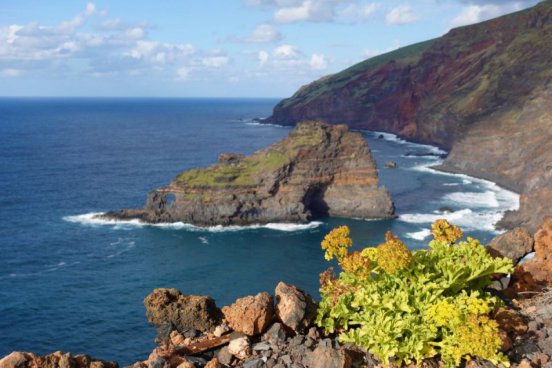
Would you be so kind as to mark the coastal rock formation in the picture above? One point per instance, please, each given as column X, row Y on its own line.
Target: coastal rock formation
column 250, row 314
column 183, row 312
column 317, row 170
column 536, row 274
column 514, row 244
column 482, row 91
column 58, row 359
column 296, row 309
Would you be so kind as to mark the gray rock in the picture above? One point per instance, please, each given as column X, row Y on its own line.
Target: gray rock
column 261, row 346
column 256, row 363
column 286, row 359
column 296, row 340
column 275, row 333
column 224, row 356
column 158, row 363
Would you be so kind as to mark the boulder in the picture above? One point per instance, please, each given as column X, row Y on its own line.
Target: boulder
column 184, row 312
column 514, row 244
column 536, row 274
column 250, row 314
column 13, row 360
column 240, row 347
column 390, row 165
column 295, row 308
column 327, row 357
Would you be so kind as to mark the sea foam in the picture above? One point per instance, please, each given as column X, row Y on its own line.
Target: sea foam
column 94, row 219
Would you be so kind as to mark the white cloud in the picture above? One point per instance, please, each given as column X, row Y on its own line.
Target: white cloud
column 285, row 52
column 182, row 73
column 215, row 61
column 318, row 62
column 401, row 14
column 262, row 56
column 90, row 9
column 477, row 13
column 264, row 33
column 10, row 73
column 358, row 12
column 114, row 24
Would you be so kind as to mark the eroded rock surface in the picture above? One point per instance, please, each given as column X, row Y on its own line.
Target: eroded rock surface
column 317, row 170
column 250, row 314
column 183, row 312
column 295, row 308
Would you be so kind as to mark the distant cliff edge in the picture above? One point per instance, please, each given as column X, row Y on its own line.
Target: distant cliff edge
column 317, row 170
column 482, row 91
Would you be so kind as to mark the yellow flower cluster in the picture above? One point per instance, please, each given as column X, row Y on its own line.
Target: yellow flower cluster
column 478, row 336
column 442, row 230
column 356, row 264
column 443, row 313
column 393, row 255
column 336, row 242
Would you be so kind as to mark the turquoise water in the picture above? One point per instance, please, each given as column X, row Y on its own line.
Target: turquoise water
column 70, row 283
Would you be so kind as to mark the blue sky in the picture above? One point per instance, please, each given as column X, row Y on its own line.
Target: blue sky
column 209, row 48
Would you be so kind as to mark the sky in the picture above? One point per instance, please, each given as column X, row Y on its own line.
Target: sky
column 209, row 48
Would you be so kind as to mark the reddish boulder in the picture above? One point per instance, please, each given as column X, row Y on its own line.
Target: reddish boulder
column 250, row 314
column 514, row 244
column 184, row 312
column 536, row 273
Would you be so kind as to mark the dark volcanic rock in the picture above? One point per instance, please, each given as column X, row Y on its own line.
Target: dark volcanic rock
column 513, row 244
column 317, row 170
column 482, row 91
column 184, row 312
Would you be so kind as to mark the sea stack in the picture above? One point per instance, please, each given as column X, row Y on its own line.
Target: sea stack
column 317, row 170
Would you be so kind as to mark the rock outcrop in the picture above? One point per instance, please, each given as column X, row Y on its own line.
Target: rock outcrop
column 58, row 359
column 536, row 274
column 251, row 314
column 482, row 91
column 182, row 312
column 317, row 170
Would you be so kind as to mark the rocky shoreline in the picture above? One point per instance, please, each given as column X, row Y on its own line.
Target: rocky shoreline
column 318, row 170
column 278, row 331
column 482, row 92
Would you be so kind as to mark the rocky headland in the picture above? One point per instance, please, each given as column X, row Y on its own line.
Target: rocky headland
column 318, row 170
column 483, row 92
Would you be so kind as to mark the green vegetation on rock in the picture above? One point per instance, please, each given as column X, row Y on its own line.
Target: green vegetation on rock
column 405, row 306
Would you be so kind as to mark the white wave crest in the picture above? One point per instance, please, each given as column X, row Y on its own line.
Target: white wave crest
column 394, row 138
column 474, row 199
column 419, row 235
column 466, row 219
column 94, row 219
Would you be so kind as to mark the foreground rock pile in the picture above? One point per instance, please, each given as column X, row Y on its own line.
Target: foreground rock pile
column 278, row 331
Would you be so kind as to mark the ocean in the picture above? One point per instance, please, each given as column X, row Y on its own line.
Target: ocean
column 70, row 282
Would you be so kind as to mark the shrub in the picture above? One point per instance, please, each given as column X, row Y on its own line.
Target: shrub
column 405, row 307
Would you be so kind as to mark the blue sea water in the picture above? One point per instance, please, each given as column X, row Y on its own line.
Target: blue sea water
column 70, row 283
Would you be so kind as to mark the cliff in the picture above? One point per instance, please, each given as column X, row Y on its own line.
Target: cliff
column 483, row 91
column 317, row 170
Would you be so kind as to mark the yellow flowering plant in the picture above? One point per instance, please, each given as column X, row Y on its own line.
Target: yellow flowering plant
column 405, row 306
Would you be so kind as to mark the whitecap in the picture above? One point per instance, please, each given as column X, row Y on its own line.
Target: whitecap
column 474, row 199
column 203, row 240
column 419, row 235
column 390, row 137
column 94, row 219
column 466, row 219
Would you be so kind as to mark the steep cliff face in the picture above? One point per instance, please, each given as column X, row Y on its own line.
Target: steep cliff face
column 482, row 91
column 317, row 170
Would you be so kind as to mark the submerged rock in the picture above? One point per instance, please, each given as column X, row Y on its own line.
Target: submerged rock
column 317, row 170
